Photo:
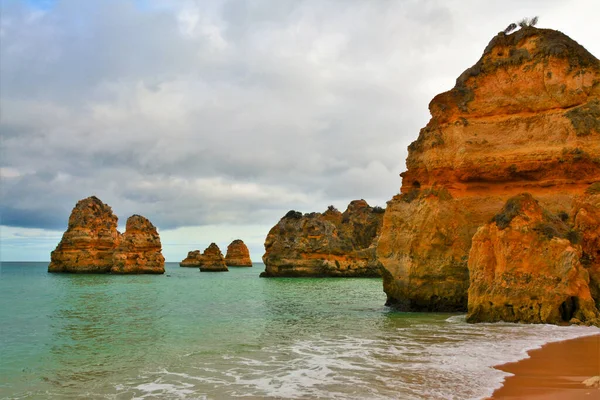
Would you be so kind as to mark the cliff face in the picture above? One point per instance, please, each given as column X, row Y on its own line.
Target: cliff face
column 525, row 117
column 139, row 251
column 92, row 244
column 586, row 219
column 238, row 254
column 89, row 242
column 525, row 265
column 430, row 261
column 325, row 244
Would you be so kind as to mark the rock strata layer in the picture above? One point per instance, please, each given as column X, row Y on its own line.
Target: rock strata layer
column 525, row 265
column 524, row 118
column 92, row 243
column 238, row 254
column 325, row 244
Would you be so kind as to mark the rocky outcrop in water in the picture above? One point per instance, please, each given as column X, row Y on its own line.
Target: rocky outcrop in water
column 524, row 118
column 212, row 260
column 325, row 244
column 139, row 250
column 193, row 259
column 89, row 241
column 92, row 244
column 238, row 254
column 525, row 265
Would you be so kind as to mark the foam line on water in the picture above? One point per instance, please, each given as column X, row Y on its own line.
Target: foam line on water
column 447, row 359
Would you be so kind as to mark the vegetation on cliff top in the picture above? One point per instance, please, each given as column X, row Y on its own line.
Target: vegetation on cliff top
column 549, row 43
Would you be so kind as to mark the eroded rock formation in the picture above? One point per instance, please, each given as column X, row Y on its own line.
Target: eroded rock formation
column 586, row 220
column 424, row 251
column 212, row 259
column 139, row 250
column 325, row 244
column 525, row 265
column 193, row 259
column 92, row 244
column 238, row 254
column 89, row 241
column 524, row 118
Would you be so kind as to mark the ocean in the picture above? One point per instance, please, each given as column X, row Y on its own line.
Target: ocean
column 192, row 335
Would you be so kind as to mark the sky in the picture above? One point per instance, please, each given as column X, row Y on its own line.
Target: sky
column 215, row 118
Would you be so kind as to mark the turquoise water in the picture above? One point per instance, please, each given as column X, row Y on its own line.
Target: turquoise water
column 192, row 335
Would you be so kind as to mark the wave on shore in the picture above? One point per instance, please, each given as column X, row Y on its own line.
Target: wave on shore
column 447, row 360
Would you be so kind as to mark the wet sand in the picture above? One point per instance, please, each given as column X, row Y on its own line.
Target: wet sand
column 554, row 372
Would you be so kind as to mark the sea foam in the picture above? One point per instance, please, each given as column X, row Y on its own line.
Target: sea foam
column 444, row 360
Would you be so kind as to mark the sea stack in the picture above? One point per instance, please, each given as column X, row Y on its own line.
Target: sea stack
column 524, row 118
column 89, row 242
column 325, row 244
column 238, row 254
column 92, row 244
column 139, row 251
column 193, row 259
column 212, row 260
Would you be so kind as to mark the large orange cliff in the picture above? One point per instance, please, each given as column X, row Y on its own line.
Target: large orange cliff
column 524, row 118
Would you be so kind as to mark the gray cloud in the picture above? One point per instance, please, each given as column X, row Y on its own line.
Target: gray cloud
column 233, row 112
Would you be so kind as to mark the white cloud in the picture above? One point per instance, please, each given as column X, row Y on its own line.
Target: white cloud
column 230, row 112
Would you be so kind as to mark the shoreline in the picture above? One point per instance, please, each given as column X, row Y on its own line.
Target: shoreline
column 554, row 371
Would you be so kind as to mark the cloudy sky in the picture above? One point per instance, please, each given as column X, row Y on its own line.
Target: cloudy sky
column 214, row 118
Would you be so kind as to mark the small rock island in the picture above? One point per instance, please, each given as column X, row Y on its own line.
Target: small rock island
column 325, row 244
column 139, row 251
column 92, row 243
column 192, row 260
column 238, row 254
column 211, row 260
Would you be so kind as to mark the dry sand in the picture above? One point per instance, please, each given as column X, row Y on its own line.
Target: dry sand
column 554, row 372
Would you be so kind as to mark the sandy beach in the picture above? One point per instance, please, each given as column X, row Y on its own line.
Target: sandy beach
column 556, row 371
